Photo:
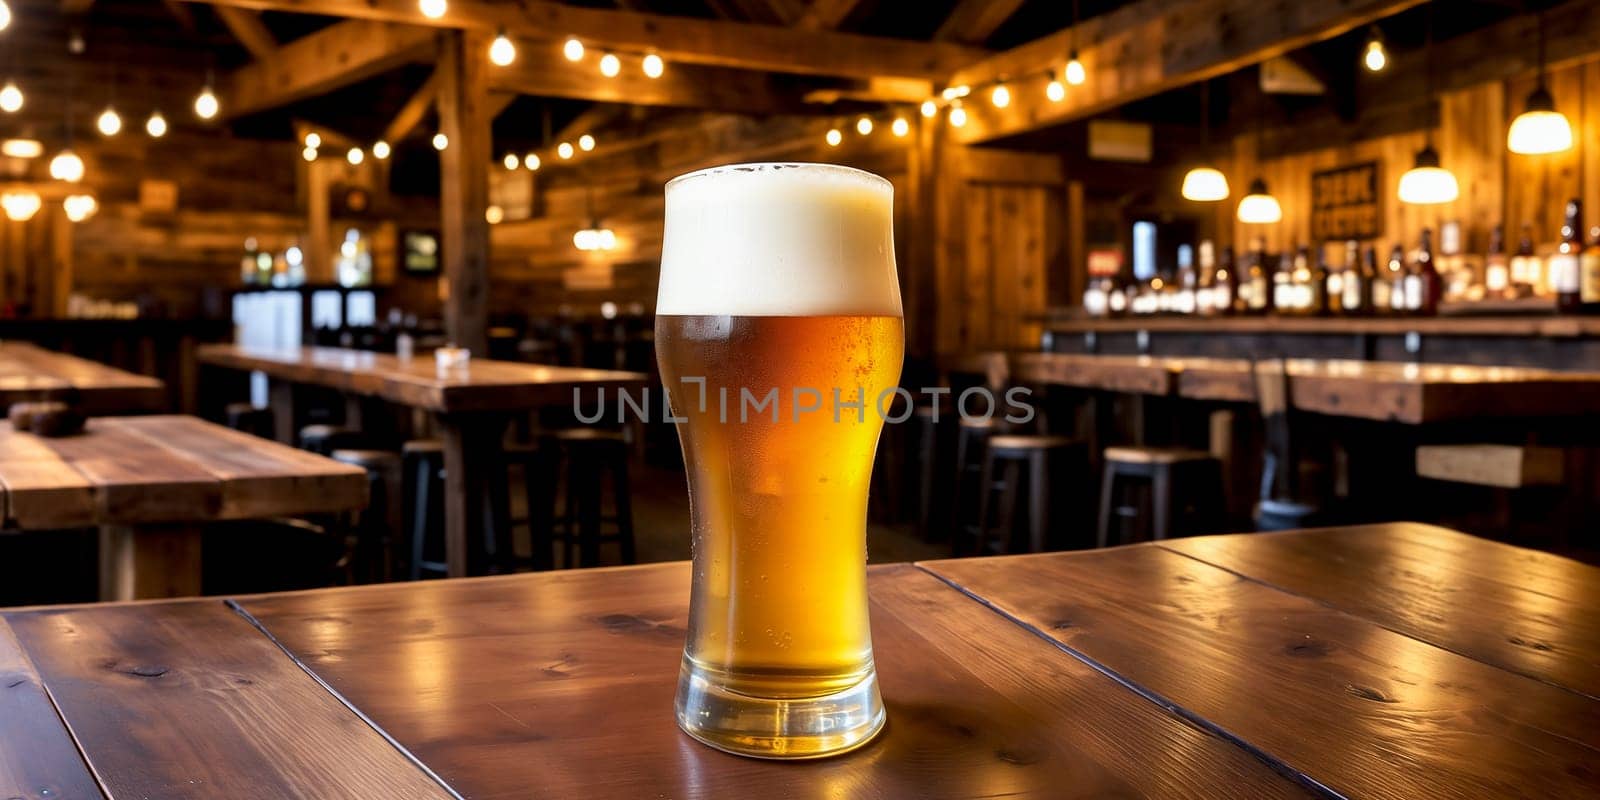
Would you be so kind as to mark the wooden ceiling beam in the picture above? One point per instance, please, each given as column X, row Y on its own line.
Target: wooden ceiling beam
column 1149, row 47
column 681, row 40
column 973, row 21
column 338, row 55
column 247, row 27
column 411, row 114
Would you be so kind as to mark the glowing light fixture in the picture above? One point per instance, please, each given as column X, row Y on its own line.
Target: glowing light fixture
column 5, row 15
column 21, row 205
column 109, row 122
column 1074, row 73
column 573, row 49
column 531, row 161
column 929, row 109
column 1258, row 207
column 380, row 149
column 1055, row 90
column 355, row 156
column 653, row 66
column 433, row 9
column 1205, row 185
column 440, row 141
column 501, row 51
column 511, row 161
column 586, row 143
column 206, row 105
column 900, row 127
column 1375, row 58
column 22, row 148
column 958, row 116
column 956, row 92
column 564, row 150
column 309, row 154
column 156, row 125
column 834, row 137
column 1001, row 96
column 10, row 98
column 595, row 238
column 864, row 126
column 313, row 140
column 1426, row 182
column 66, row 166
column 610, row 65
column 79, row 207
column 494, row 215
column 1540, row 128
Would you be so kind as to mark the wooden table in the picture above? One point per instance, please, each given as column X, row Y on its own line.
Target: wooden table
column 31, row 373
column 1383, row 661
column 472, row 406
column 149, row 483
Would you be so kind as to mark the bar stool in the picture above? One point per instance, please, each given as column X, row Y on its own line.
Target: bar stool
column 972, row 433
column 1185, row 490
column 935, row 449
column 588, row 455
column 374, row 528
column 249, row 419
column 1012, row 462
column 324, row 439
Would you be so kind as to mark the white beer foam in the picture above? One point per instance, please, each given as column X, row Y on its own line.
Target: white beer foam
column 768, row 240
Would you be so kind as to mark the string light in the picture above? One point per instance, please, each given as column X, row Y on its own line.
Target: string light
column 156, row 125
column 22, row 148
column 433, row 9
column 610, row 65
column 510, row 161
column 66, row 166
column 440, row 141
column 309, row 154
column 1374, row 57
column 10, row 98
column 109, row 122
column 864, row 125
column 380, row 149
column 494, row 215
column 79, row 207
column 653, row 66
column 929, row 109
column 313, row 140
column 5, row 15
column 586, row 143
column 355, row 156
column 900, row 127
column 573, row 49
column 956, row 92
column 595, row 238
column 834, row 137
column 1075, row 73
column 501, row 51
column 1055, row 91
column 205, row 105
column 20, row 206
column 958, row 116
column 1001, row 96
column 531, row 161
column 564, row 150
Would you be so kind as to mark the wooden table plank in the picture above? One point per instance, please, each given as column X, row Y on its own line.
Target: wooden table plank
column 38, row 759
column 1525, row 611
column 137, row 481
column 1361, row 709
column 188, row 700
column 42, row 491
column 1110, row 373
column 561, row 685
column 28, row 372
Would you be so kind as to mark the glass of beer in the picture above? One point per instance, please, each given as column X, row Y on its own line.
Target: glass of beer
column 779, row 334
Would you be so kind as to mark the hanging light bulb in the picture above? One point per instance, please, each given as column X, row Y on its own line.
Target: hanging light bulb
column 1001, row 96
column 956, row 92
column 1426, row 182
column 440, row 141
column 1205, row 185
column 5, row 15
column 511, row 161
column 1074, row 73
column 610, row 65
column 22, row 148
column 205, row 105
column 564, row 150
column 531, row 161
column 313, row 140
column 21, row 205
column 834, row 137
column 1541, row 128
column 864, row 125
column 79, row 207
column 355, row 156
column 109, row 122
column 1055, row 90
column 66, row 166
column 433, row 9
column 929, row 109
column 380, row 149
column 309, row 154
column 494, row 215
column 501, row 51
column 10, row 98
column 1375, row 58
column 958, row 116
column 653, row 66
column 586, row 143
column 573, row 49
column 900, row 127
column 1259, row 207
column 156, row 125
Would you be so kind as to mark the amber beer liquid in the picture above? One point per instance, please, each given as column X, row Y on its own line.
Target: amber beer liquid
column 778, row 333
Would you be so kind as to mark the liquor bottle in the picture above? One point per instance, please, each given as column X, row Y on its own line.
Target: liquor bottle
column 1524, row 266
column 1297, row 292
column 1358, row 287
column 1496, row 270
column 1095, row 296
column 1589, row 264
column 1565, row 273
column 1394, row 280
column 1117, row 294
column 1205, row 282
column 1225, row 286
column 1258, row 298
column 1186, row 284
column 1424, row 285
column 1318, row 301
column 1282, row 292
column 247, row 265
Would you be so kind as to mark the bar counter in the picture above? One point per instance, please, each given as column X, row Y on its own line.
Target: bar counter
column 1341, row 662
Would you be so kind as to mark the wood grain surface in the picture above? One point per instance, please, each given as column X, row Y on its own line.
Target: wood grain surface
column 483, row 385
column 561, row 685
column 1131, row 374
column 189, row 700
column 38, row 760
column 1522, row 610
column 29, row 372
column 1361, row 709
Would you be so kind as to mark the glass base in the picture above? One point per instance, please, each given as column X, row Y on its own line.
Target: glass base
column 791, row 728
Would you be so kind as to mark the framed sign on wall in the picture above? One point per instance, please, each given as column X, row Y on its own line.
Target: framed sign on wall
column 1346, row 203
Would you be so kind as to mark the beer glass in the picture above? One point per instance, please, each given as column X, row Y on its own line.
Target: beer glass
column 779, row 333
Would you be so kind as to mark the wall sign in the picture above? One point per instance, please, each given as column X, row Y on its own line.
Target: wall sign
column 1346, row 203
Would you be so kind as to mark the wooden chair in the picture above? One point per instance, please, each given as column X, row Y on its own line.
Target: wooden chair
column 971, row 435
column 588, row 457
column 1023, row 469
column 1185, row 491
column 374, row 528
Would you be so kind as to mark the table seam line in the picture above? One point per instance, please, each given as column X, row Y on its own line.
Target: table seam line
column 83, row 755
column 361, row 715
column 1277, row 765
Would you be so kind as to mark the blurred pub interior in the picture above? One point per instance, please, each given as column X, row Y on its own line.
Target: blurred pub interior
column 276, row 175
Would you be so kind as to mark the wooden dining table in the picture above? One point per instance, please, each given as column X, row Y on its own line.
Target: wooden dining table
column 150, row 483
column 472, row 405
column 29, row 372
column 1395, row 660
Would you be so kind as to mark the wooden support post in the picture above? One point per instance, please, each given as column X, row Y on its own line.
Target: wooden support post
column 318, row 252
column 464, row 187
column 149, row 561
